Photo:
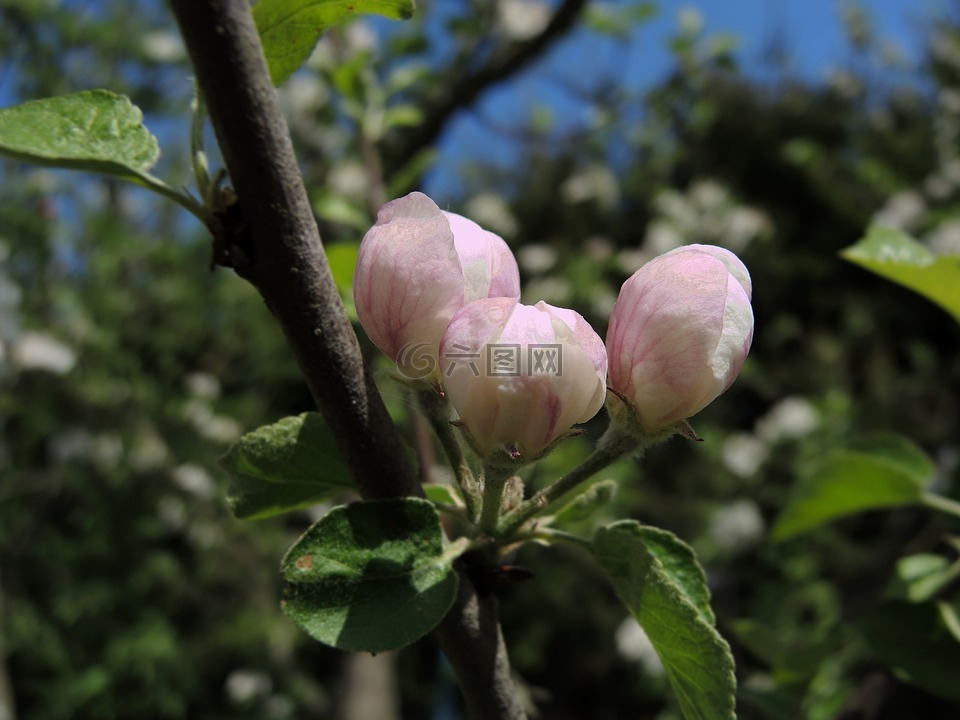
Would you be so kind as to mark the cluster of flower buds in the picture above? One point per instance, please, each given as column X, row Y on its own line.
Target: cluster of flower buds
column 440, row 296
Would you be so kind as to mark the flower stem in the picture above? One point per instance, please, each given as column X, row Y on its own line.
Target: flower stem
column 612, row 446
column 435, row 409
column 494, row 481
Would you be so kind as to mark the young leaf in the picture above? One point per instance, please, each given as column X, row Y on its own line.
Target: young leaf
column 920, row 577
column 898, row 257
column 93, row 130
column 913, row 640
column 659, row 580
column 284, row 467
column 371, row 576
column 879, row 472
column 289, row 29
column 587, row 503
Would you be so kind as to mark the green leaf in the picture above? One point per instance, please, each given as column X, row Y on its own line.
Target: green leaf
column 92, row 130
column 283, row 467
column 658, row 578
column 879, row 472
column 898, row 257
column 913, row 640
column 372, row 576
column 587, row 502
column 920, row 577
column 442, row 494
column 289, row 29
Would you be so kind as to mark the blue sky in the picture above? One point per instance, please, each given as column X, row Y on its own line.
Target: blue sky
column 812, row 31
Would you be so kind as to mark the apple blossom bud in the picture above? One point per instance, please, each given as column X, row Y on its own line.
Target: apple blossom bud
column 521, row 376
column 679, row 334
column 417, row 266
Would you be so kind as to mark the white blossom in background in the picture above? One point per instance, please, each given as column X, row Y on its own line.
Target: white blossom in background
column 172, row 513
column 634, row 645
column 522, row 19
column 210, row 426
column 743, row 454
column 736, row 526
column 39, row 351
column 595, row 182
column 194, row 479
column 163, row 46
column 243, row 685
column 149, row 451
column 349, row 179
column 71, row 444
column 107, row 450
column 202, row 385
column 947, row 462
column 360, row 37
column 844, row 83
column 689, row 20
column 902, row 211
column 945, row 240
column 792, row 418
column 537, row 259
column 490, row 210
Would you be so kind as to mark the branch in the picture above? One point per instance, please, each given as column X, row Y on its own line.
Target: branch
column 461, row 93
column 283, row 258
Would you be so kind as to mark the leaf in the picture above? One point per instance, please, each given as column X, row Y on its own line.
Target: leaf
column 920, row 577
column 879, row 472
column 588, row 502
column 898, row 257
column 658, row 578
column 912, row 639
column 289, row 29
column 442, row 494
column 93, row 130
column 285, row 466
column 372, row 576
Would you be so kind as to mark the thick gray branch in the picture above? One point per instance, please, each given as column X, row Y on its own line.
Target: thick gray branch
column 286, row 263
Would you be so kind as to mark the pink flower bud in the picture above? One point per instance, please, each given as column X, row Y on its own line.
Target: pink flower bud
column 417, row 266
column 521, row 376
column 679, row 333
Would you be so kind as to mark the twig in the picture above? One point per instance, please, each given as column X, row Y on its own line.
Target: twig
column 461, row 92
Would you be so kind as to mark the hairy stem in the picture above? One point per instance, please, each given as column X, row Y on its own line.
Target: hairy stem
column 612, row 446
column 436, row 409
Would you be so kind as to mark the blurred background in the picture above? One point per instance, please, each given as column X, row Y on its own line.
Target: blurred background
column 592, row 136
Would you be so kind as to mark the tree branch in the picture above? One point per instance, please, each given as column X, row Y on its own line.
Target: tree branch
column 283, row 258
column 460, row 93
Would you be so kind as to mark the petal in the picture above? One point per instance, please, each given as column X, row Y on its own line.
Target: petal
column 489, row 268
column 408, row 283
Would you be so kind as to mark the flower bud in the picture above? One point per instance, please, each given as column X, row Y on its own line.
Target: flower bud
column 417, row 266
column 679, row 333
column 521, row 376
